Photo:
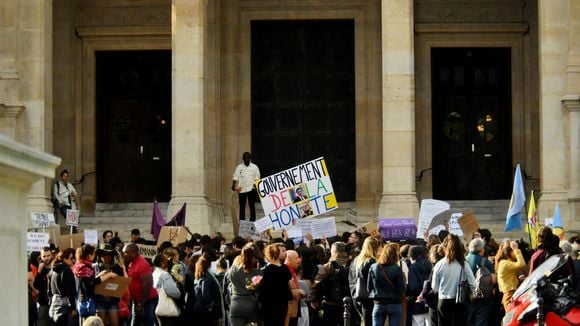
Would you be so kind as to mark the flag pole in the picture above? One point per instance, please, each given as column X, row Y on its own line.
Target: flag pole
column 528, row 220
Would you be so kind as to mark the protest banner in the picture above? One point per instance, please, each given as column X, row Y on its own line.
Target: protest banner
column 42, row 220
column 173, row 234
column 468, row 222
column 91, row 237
column 54, row 234
column 113, row 287
column 72, row 217
column 397, row 229
column 147, row 251
column 306, row 226
column 71, row 240
column 263, row 224
column 351, row 215
column 454, row 227
column 35, row 241
column 302, row 191
column 248, row 230
column 429, row 209
column 323, row 227
column 294, row 231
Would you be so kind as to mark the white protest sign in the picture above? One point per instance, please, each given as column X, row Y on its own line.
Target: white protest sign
column 42, row 220
column 429, row 209
column 549, row 221
column 351, row 215
column 248, row 230
column 263, row 224
column 72, row 217
column 454, row 226
column 35, row 241
column 323, row 227
column 294, row 231
column 91, row 237
column 302, row 191
column 306, row 226
column 147, row 251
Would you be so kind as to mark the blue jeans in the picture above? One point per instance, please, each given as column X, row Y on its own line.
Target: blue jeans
column 147, row 318
column 382, row 311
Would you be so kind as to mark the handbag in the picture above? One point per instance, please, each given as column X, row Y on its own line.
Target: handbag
column 361, row 291
column 463, row 292
column 86, row 307
column 166, row 307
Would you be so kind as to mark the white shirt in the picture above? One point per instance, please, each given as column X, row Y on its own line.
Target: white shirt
column 64, row 192
column 245, row 176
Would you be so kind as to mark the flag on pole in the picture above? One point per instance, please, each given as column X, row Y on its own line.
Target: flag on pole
column 157, row 221
column 532, row 225
column 517, row 202
column 179, row 218
column 557, row 223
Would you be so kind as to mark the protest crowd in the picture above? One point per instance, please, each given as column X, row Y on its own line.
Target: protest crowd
column 210, row 280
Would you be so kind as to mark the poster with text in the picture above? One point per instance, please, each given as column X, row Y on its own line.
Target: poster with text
column 35, row 241
column 429, row 209
column 42, row 220
column 299, row 192
column 248, row 230
column 72, row 217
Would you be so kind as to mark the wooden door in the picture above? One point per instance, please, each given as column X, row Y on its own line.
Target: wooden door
column 471, row 123
column 303, row 97
column 134, row 126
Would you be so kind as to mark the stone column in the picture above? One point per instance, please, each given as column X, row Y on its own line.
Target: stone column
column 553, row 18
column 189, row 113
column 399, row 198
column 20, row 167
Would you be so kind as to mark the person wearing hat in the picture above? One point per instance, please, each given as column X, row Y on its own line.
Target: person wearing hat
column 109, row 261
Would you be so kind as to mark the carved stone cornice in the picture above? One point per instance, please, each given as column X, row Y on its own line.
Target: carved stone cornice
column 571, row 102
column 469, row 11
column 518, row 28
column 94, row 32
column 126, row 16
column 10, row 110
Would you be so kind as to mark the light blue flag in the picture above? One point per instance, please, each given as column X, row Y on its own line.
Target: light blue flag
column 517, row 203
column 557, row 225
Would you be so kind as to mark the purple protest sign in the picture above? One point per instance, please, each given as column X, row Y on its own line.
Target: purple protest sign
column 398, row 229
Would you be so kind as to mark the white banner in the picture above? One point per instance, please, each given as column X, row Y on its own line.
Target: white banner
column 42, row 220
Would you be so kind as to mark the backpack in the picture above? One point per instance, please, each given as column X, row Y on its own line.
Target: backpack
column 53, row 194
column 204, row 306
column 483, row 282
column 336, row 285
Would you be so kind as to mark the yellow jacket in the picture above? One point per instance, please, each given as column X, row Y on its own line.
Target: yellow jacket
column 507, row 272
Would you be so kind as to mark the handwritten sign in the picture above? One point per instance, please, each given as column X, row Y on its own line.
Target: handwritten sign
column 429, row 209
column 248, row 230
column 397, row 229
column 173, row 234
column 263, row 224
column 147, row 251
column 91, row 237
column 42, row 220
column 323, row 227
column 72, row 217
column 468, row 222
column 35, row 241
column 351, row 215
column 371, row 228
column 299, row 192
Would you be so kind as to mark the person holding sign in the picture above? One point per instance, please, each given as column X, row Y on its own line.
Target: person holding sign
column 64, row 193
column 243, row 182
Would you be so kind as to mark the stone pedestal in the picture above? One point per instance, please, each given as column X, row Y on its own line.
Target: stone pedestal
column 20, row 167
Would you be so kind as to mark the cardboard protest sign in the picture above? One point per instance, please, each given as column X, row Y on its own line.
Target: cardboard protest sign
column 371, row 228
column 35, row 241
column 91, row 237
column 71, row 240
column 72, row 217
column 429, row 209
column 173, row 234
column 323, row 227
column 54, row 234
column 468, row 222
column 147, row 251
column 248, row 230
column 397, row 229
column 299, row 192
column 42, row 220
column 113, row 287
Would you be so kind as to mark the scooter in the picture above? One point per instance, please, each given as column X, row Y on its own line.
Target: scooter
column 548, row 296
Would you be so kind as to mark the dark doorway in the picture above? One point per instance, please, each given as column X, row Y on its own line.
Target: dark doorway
column 303, row 98
column 133, row 126
column 472, row 152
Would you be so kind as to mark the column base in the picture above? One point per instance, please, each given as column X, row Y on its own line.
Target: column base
column 399, row 205
column 198, row 216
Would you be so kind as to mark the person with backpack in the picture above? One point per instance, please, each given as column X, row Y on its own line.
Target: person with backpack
column 331, row 285
column 481, row 308
column 208, row 307
column 64, row 194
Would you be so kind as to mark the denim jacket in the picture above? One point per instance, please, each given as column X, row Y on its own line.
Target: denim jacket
column 380, row 288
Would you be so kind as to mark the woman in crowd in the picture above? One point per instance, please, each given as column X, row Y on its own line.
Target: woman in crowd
column 211, row 299
column 274, row 292
column 85, row 275
column 447, row 274
column 509, row 262
column 548, row 245
column 387, row 287
column 62, row 289
column 108, row 236
column 163, row 280
column 108, row 307
column 359, row 269
column 419, row 272
column 241, row 286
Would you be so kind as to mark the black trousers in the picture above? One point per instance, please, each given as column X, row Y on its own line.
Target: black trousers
column 251, row 197
column 450, row 313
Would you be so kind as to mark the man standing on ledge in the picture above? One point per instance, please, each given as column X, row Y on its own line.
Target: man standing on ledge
column 243, row 182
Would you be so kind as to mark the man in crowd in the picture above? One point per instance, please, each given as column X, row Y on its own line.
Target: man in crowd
column 41, row 284
column 143, row 293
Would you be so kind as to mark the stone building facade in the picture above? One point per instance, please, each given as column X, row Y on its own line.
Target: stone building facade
column 408, row 83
